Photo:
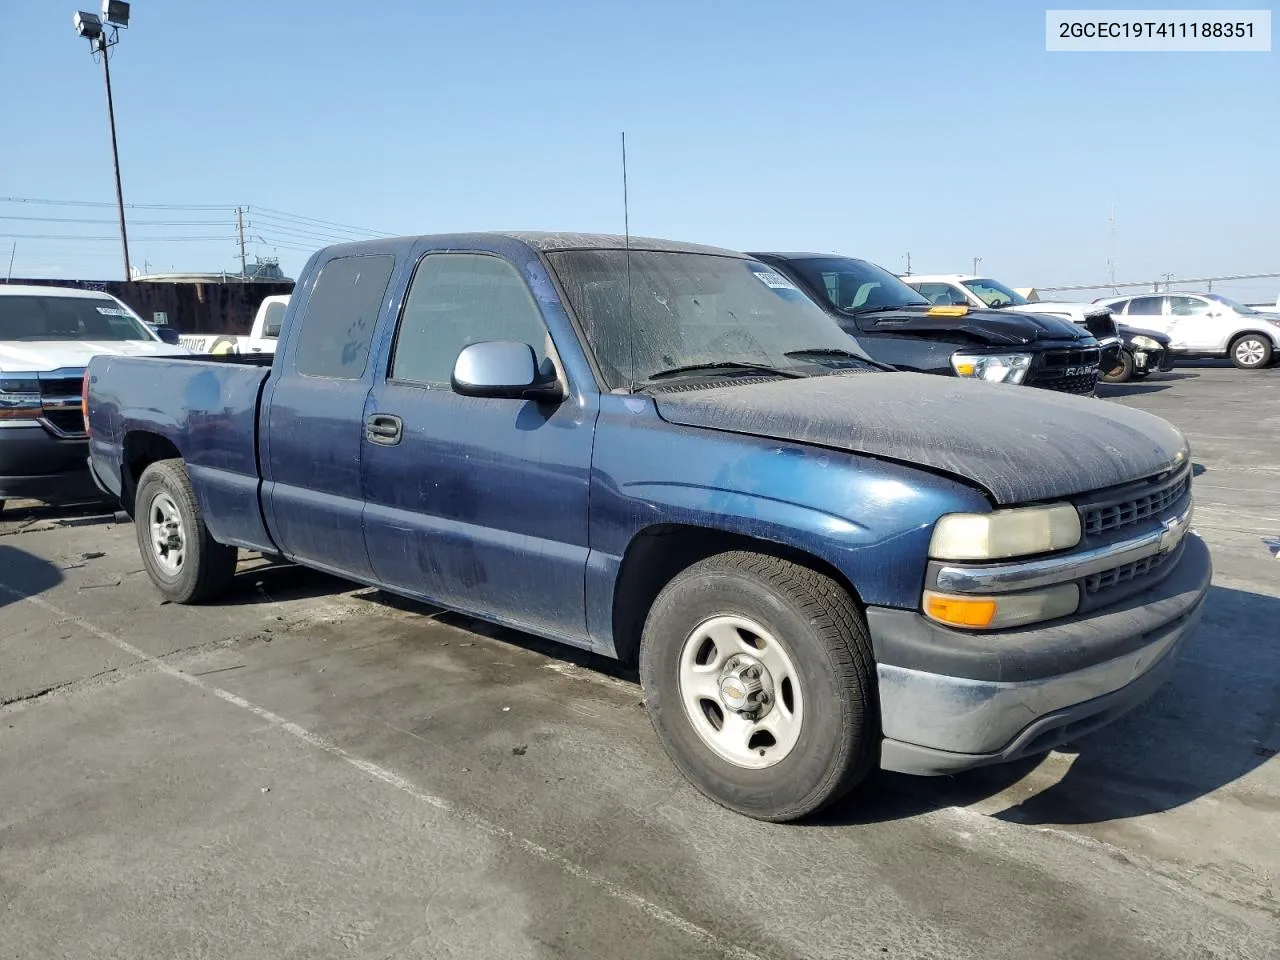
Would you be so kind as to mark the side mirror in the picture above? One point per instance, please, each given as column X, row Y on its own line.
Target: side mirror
column 168, row 335
column 502, row 369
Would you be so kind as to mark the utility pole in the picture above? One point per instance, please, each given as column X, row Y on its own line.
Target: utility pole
column 1168, row 279
column 115, row 154
column 244, row 270
column 1111, row 260
column 976, row 261
column 12, row 253
column 93, row 29
column 908, row 273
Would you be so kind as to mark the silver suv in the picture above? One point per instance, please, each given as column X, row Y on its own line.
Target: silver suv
column 1204, row 325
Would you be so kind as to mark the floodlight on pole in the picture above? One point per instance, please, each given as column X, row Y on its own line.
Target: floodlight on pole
column 88, row 25
column 115, row 12
column 91, row 27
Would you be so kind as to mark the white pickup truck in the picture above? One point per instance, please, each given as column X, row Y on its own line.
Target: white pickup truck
column 48, row 335
column 262, row 335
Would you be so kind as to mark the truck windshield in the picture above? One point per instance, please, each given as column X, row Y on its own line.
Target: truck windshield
column 690, row 310
column 856, row 286
column 67, row 318
column 995, row 294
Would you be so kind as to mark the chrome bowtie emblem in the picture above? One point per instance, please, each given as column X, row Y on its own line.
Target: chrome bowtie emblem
column 1174, row 530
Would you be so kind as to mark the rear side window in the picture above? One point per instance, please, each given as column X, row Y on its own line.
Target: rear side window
column 1146, row 307
column 461, row 298
column 272, row 319
column 341, row 314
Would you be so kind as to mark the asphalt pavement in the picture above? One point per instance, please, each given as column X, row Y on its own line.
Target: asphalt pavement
column 309, row 769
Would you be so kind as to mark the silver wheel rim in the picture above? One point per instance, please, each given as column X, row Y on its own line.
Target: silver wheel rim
column 168, row 539
column 1250, row 352
column 741, row 691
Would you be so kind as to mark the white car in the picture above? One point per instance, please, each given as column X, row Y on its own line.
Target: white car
column 959, row 289
column 262, row 335
column 1204, row 325
column 48, row 335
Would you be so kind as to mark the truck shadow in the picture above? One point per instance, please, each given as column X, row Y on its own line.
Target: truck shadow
column 23, row 575
column 264, row 580
column 1216, row 720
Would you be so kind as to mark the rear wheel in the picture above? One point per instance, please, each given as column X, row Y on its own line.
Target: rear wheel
column 1123, row 370
column 760, row 683
column 1251, row 351
column 184, row 562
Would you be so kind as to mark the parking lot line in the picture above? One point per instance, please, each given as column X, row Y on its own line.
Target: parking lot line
column 393, row 779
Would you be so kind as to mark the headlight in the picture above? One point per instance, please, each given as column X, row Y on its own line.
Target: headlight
column 1005, row 533
column 1006, row 610
column 996, row 367
column 1146, row 343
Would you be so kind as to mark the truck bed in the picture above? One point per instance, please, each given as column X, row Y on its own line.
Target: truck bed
column 206, row 410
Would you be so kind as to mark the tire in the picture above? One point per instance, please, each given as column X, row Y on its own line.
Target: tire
column 192, row 567
column 1250, row 351
column 1123, row 371
column 823, row 694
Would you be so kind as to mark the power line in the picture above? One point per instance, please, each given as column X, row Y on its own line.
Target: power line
column 140, row 223
column 132, row 206
column 77, row 236
column 280, row 216
column 325, row 223
column 305, row 227
column 302, row 234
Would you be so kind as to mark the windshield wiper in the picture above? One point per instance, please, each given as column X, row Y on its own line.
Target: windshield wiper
column 743, row 365
column 884, row 308
column 819, row 353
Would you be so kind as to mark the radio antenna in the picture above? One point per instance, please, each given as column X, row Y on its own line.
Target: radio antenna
column 626, row 240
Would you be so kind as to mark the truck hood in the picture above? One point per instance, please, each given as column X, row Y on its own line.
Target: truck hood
column 994, row 327
column 1019, row 445
column 1059, row 306
column 40, row 356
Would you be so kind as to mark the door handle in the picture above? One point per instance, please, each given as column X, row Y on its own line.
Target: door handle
column 383, row 428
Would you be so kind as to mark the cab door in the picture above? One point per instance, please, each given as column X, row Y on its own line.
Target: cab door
column 1201, row 326
column 312, row 420
column 479, row 504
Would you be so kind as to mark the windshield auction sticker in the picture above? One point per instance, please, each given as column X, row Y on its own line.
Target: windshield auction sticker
column 775, row 280
column 1158, row 31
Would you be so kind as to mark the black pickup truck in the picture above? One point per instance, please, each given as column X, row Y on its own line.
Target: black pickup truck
column 898, row 326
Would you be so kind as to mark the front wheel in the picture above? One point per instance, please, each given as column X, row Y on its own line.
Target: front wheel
column 1251, row 352
column 184, row 562
column 1123, row 370
column 760, row 684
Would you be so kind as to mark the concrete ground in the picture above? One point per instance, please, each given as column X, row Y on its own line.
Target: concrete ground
column 310, row 770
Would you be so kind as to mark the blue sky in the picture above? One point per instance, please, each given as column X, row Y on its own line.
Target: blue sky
column 868, row 129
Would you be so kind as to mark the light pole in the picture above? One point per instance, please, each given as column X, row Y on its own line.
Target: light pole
column 976, row 261
column 103, row 33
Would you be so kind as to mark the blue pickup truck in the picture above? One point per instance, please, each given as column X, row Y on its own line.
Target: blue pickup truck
column 668, row 454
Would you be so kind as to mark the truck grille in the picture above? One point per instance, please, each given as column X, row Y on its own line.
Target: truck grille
column 67, row 422
column 1130, row 571
column 1100, row 518
column 1060, row 370
column 60, row 386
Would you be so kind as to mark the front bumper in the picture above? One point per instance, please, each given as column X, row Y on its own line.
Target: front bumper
column 950, row 701
column 36, row 465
